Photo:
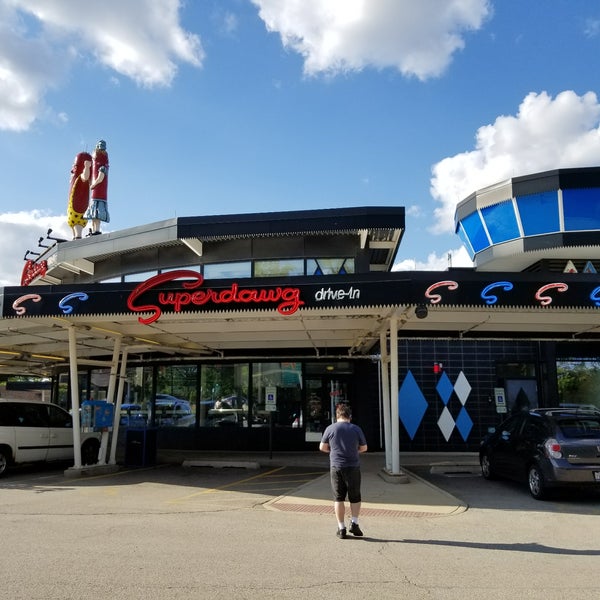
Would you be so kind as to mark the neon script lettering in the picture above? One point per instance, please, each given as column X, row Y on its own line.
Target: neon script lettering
column 287, row 299
column 491, row 298
column 21, row 310
column 436, row 298
column 31, row 270
column 65, row 303
column 545, row 300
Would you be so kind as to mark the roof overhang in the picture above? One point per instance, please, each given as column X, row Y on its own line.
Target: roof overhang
column 182, row 240
column 316, row 316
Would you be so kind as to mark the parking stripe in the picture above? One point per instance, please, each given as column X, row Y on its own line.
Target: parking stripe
column 225, row 486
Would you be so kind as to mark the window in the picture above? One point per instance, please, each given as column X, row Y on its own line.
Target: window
column 581, row 209
column 232, row 270
column 501, row 222
column 329, row 266
column 475, row 232
column 271, row 268
column 224, row 395
column 276, row 394
column 139, row 276
column 59, row 417
column 539, row 213
column 579, row 382
column 31, row 415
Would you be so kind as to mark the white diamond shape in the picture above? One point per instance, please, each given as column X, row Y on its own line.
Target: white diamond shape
column 462, row 388
column 446, row 423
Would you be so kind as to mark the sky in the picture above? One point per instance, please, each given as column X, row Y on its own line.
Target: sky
column 237, row 106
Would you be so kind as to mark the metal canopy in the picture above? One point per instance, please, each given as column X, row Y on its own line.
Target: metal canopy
column 36, row 345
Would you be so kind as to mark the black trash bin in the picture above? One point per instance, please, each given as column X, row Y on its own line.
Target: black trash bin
column 140, row 447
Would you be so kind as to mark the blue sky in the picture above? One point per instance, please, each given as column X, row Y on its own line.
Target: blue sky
column 228, row 106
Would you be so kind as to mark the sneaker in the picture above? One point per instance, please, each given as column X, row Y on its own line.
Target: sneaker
column 355, row 530
column 341, row 533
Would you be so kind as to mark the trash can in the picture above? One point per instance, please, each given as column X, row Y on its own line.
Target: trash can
column 140, row 447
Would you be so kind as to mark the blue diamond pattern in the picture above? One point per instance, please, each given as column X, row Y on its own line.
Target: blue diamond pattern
column 411, row 405
column 464, row 423
column 444, row 388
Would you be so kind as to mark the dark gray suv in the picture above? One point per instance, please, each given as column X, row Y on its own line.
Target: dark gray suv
column 547, row 448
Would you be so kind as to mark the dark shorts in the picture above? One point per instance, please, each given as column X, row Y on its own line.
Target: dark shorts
column 345, row 481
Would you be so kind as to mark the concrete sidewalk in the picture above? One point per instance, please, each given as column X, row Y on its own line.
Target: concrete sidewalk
column 381, row 497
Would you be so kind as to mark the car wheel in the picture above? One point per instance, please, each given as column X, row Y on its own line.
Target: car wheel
column 486, row 467
column 89, row 452
column 4, row 461
column 537, row 484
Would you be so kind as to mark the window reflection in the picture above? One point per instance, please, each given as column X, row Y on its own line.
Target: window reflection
column 224, row 395
column 277, row 394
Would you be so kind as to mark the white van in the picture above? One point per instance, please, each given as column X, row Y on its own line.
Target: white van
column 36, row 431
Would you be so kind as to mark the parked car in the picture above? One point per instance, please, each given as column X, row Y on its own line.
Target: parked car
column 36, row 431
column 132, row 415
column 173, row 412
column 547, row 448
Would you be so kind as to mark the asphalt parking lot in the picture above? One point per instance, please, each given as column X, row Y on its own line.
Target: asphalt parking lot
column 466, row 483
column 170, row 533
column 149, row 490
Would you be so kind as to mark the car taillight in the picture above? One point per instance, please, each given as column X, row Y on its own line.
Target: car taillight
column 553, row 448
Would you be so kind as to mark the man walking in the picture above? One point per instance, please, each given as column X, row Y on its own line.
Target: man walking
column 344, row 441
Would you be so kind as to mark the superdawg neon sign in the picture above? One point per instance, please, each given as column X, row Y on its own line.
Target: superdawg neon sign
column 286, row 299
column 187, row 291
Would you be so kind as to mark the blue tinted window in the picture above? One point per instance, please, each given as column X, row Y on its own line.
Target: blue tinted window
column 465, row 240
column 501, row 222
column 539, row 213
column 475, row 231
column 581, row 209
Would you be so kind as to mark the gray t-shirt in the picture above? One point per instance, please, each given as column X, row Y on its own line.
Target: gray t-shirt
column 344, row 438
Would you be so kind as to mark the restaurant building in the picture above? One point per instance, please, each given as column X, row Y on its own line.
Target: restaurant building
column 242, row 332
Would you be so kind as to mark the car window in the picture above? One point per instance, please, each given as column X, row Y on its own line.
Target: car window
column 59, row 417
column 30, row 415
column 512, row 424
column 580, row 427
column 8, row 417
column 535, row 429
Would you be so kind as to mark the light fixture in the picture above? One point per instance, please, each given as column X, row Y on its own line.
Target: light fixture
column 47, row 356
column 421, row 311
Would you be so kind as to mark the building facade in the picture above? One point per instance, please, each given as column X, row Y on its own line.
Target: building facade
column 242, row 332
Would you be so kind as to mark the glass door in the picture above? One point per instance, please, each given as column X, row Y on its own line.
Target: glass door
column 322, row 396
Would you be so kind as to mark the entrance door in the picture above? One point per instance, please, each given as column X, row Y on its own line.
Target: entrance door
column 322, row 396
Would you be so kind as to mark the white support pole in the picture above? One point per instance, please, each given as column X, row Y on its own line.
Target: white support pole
column 394, row 396
column 75, row 397
column 117, row 419
column 110, row 396
column 385, row 390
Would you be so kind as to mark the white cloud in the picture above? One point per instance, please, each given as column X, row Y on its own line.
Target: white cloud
column 416, row 38
column 139, row 39
column 591, row 28
column 546, row 133
column 29, row 67
column 435, row 262
column 20, row 232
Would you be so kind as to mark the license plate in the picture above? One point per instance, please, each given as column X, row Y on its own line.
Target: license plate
column 597, row 475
